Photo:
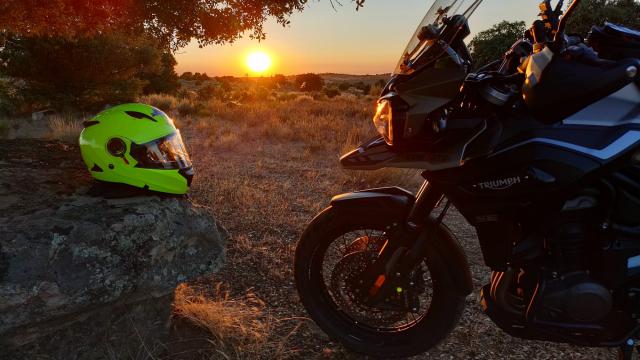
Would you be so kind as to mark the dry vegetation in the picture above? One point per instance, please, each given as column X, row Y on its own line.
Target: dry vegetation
column 266, row 167
column 266, row 162
column 65, row 128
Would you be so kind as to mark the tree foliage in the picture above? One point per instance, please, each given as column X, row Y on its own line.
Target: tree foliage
column 86, row 73
column 596, row 12
column 491, row 44
column 173, row 22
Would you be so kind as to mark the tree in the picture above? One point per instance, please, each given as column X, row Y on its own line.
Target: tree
column 596, row 12
column 491, row 44
column 187, row 75
column 86, row 73
column 163, row 79
column 73, row 51
column 309, row 82
column 173, row 22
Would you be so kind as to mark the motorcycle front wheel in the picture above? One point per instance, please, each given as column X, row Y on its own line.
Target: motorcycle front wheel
column 335, row 248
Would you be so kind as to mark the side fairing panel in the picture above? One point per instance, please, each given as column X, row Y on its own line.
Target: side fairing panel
column 619, row 109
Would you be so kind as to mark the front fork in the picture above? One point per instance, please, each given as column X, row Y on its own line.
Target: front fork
column 405, row 248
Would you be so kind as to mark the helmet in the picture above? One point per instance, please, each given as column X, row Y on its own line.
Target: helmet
column 138, row 145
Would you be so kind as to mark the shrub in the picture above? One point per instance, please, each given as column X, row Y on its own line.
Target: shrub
column 286, row 96
column 309, row 82
column 261, row 93
column 281, row 81
column 376, row 89
column 161, row 101
column 331, row 92
column 187, row 107
column 206, row 92
column 188, row 75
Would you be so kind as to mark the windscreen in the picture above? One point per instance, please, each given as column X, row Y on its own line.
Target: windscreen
column 430, row 28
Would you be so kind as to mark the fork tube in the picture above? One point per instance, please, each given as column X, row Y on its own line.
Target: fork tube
column 427, row 199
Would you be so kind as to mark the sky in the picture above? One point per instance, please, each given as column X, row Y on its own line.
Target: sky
column 323, row 40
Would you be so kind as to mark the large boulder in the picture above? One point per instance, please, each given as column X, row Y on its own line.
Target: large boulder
column 84, row 276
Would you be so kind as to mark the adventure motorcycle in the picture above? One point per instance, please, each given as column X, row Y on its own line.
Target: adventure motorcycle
column 539, row 151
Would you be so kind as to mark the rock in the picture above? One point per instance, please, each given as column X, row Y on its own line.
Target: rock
column 87, row 277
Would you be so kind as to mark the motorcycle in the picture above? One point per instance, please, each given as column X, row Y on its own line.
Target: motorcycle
column 539, row 151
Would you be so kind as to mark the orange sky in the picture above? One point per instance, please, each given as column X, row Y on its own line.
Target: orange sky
column 322, row 40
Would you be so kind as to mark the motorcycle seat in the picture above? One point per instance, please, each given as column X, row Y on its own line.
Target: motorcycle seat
column 621, row 31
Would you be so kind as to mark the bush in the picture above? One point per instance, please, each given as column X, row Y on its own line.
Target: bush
column 187, row 107
column 261, row 93
column 161, row 101
column 309, row 82
column 344, row 86
column 286, row 96
column 331, row 92
column 281, row 81
column 376, row 89
column 206, row 92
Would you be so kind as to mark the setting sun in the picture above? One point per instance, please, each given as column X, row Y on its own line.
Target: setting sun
column 259, row 62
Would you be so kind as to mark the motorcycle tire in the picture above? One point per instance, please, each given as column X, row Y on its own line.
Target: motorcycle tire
column 441, row 317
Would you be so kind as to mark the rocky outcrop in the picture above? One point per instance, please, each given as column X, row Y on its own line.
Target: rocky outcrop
column 83, row 276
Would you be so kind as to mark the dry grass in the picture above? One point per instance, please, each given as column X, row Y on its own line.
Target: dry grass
column 266, row 168
column 161, row 101
column 65, row 128
column 240, row 327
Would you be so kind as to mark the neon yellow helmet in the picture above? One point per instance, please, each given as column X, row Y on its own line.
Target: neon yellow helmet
column 138, row 145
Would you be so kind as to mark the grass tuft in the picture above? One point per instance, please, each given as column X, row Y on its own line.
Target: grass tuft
column 240, row 327
column 163, row 102
column 65, row 128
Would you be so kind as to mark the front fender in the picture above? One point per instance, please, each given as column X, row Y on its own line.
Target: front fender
column 390, row 198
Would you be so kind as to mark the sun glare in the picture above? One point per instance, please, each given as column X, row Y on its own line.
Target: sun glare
column 258, row 62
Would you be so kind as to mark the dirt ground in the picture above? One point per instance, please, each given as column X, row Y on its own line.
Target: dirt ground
column 265, row 191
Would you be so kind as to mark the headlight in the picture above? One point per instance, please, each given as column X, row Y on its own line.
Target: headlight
column 382, row 121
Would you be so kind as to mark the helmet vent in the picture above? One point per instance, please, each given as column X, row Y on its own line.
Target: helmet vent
column 86, row 124
column 96, row 168
column 139, row 115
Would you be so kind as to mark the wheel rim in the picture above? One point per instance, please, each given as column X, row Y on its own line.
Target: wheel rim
column 347, row 256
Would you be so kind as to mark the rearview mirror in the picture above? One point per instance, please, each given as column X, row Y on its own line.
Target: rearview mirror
column 429, row 32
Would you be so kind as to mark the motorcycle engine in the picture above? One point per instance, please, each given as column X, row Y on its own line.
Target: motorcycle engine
column 574, row 296
column 566, row 290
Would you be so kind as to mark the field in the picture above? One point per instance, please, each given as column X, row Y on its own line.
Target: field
column 266, row 166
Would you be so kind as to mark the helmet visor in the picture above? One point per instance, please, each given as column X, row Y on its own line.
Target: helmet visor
column 168, row 152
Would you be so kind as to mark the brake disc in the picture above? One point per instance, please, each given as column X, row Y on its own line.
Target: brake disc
column 345, row 288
